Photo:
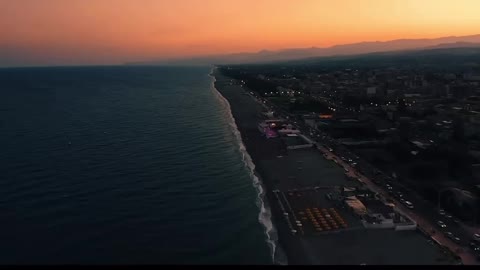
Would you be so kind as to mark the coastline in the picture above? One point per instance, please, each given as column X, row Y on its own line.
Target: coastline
column 265, row 214
column 273, row 167
column 245, row 118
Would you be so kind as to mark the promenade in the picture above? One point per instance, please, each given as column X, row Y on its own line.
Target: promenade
column 293, row 171
column 425, row 225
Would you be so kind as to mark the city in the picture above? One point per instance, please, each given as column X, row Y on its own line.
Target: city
column 214, row 132
column 411, row 130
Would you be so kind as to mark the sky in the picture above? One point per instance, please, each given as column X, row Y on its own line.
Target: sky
column 69, row 32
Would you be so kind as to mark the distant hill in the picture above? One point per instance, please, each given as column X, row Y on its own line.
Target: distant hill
column 455, row 45
column 265, row 56
column 439, row 57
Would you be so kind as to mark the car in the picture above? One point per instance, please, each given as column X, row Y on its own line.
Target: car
column 456, row 239
column 448, row 216
column 409, row 204
column 449, row 234
column 441, row 212
column 441, row 224
column 474, row 246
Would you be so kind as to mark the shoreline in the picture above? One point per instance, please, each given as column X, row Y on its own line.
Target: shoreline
column 285, row 246
column 265, row 214
column 273, row 167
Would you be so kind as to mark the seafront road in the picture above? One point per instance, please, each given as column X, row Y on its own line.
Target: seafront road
column 424, row 224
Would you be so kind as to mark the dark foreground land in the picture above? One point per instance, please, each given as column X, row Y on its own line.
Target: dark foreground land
column 289, row 171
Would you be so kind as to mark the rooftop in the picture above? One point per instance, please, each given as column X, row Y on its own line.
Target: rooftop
column 378, row 207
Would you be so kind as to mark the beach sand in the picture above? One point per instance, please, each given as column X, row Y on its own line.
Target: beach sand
column 285, row 170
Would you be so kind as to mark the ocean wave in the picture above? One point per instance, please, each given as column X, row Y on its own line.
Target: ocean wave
column 265, row 215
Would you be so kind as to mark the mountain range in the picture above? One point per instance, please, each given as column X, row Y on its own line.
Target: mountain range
column 266, row 56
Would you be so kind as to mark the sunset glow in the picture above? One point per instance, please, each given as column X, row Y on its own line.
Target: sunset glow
column 115, row 31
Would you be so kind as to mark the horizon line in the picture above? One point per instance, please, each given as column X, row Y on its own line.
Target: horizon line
column 164, row 60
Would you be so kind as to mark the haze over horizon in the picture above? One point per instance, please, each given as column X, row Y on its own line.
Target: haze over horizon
column 89, row 32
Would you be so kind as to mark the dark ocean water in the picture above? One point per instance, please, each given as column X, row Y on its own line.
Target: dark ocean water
column 122, row 165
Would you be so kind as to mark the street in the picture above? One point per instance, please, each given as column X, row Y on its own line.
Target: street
column 453, row 236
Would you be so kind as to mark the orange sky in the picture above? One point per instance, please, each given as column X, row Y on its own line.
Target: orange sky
column 113, row 31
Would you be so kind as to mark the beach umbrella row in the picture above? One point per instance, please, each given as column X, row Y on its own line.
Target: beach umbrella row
column 322, row 219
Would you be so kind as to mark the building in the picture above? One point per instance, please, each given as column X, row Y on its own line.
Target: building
column 371, row 91
column 356, row 205
column 382, row 216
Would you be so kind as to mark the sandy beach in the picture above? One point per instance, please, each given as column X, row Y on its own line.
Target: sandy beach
column 288, row 170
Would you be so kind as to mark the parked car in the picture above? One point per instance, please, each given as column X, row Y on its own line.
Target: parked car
column 474, row 245
column 409, row 204
column 441, row 224
column 441, row 212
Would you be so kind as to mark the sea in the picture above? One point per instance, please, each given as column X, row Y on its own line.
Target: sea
column 125, row 165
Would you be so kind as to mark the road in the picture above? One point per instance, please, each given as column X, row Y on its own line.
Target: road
column 422, row 214
column 422, row 207
column 423, row 223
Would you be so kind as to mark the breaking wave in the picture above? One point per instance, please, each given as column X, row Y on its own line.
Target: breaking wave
column 265, row 215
